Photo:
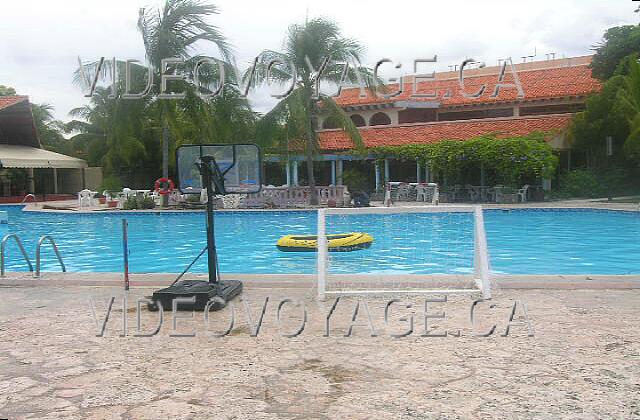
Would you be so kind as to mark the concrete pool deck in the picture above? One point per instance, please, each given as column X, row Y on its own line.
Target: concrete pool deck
column 582, row 362
column 563, row 204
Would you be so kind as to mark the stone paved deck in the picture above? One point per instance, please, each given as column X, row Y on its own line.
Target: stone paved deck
column 68, row 206
column 583, row 361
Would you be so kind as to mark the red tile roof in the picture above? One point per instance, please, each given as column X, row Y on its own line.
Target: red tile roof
column 333, row 140
column 537, row 84
column 7, row 101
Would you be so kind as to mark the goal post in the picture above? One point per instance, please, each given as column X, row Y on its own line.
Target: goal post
column 415, row 249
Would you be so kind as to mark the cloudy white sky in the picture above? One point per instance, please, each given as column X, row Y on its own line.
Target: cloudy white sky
column 40, row 40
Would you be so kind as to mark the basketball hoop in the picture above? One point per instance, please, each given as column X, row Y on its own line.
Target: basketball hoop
column 218, row 169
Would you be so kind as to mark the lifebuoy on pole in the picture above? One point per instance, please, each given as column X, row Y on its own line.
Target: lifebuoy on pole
column 164, row 186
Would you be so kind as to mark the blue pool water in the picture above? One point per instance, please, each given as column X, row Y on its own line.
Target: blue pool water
column 520, row 241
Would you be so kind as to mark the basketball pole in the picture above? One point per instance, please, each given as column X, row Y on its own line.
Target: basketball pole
column 211, row 179
column 211, row 246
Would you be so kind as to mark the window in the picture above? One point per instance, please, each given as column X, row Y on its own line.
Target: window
column 551, row 109
column 380, row 118
column 358, row 120
column 415, row 115
column 476, row 114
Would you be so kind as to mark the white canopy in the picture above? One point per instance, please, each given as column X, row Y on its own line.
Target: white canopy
column 12, row 156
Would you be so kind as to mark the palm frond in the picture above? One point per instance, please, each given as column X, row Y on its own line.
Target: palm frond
column 333, row 110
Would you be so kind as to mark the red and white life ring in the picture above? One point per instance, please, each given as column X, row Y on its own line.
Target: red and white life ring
column 164, row 186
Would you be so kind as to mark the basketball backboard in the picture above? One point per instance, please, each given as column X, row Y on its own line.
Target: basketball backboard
column 240, row 164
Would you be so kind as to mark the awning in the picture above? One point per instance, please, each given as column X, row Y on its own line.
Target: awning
column 12, row 156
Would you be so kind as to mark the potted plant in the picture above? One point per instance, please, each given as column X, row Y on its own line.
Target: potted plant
column 101, row 198
column 110, row 198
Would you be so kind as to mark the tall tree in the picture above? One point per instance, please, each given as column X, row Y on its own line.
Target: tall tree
column 628, row 102
column 111, row 132
column 117, row 130
column 617, row 43
column 173, row 31
column 7, row 90
column 313, row 52
column 600, row 119
column 49, row 129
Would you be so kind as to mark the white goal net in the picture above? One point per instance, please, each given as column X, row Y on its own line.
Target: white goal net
column 412, row 250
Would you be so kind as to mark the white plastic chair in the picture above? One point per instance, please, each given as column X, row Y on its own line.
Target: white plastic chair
column 85, row 198
column 434, row 190
column 402, row 194
column 175, row 198
column 421, row 193
column 522, row 193
column 495, row 194
column 428, row 193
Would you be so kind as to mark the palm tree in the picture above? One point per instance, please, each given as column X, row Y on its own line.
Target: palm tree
column 172, row 31
column 49, row 129
column 110, row 132
column 314, row 42
column 628, row 103
column 109, row 126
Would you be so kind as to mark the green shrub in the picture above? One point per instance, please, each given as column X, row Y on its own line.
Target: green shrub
column 582, row 183
column 141, row 203
column 146, row 203
column 130, row 204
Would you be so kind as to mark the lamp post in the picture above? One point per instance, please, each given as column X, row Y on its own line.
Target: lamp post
column 609, row 141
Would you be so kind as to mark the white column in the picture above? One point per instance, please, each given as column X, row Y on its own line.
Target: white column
column 295, row 173
column 394, row 116
column 377, row 169
column 340, row 168
column 333, row 172
column 288, row 171
column 427, row 173
column 55, row 181
column 418, row 172
column 32, row 182
column 386, row 170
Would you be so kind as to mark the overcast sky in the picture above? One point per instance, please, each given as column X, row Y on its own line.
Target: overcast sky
column 41, row 40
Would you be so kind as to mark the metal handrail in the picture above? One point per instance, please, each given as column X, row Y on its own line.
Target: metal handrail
column 3, row 246
column 35, row 200
column 55, row 248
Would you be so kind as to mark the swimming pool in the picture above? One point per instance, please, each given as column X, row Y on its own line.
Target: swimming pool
column 531, row 241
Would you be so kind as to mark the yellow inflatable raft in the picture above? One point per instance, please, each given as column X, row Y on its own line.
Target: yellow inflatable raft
column 342, row 242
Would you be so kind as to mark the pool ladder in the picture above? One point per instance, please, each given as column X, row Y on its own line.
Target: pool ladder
column 36, row 274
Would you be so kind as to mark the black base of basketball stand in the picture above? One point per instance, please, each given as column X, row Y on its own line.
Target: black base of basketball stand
column 214, row 293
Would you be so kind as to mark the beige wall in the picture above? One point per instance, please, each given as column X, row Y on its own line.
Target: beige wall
column 70, row 180
column 560, row 142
